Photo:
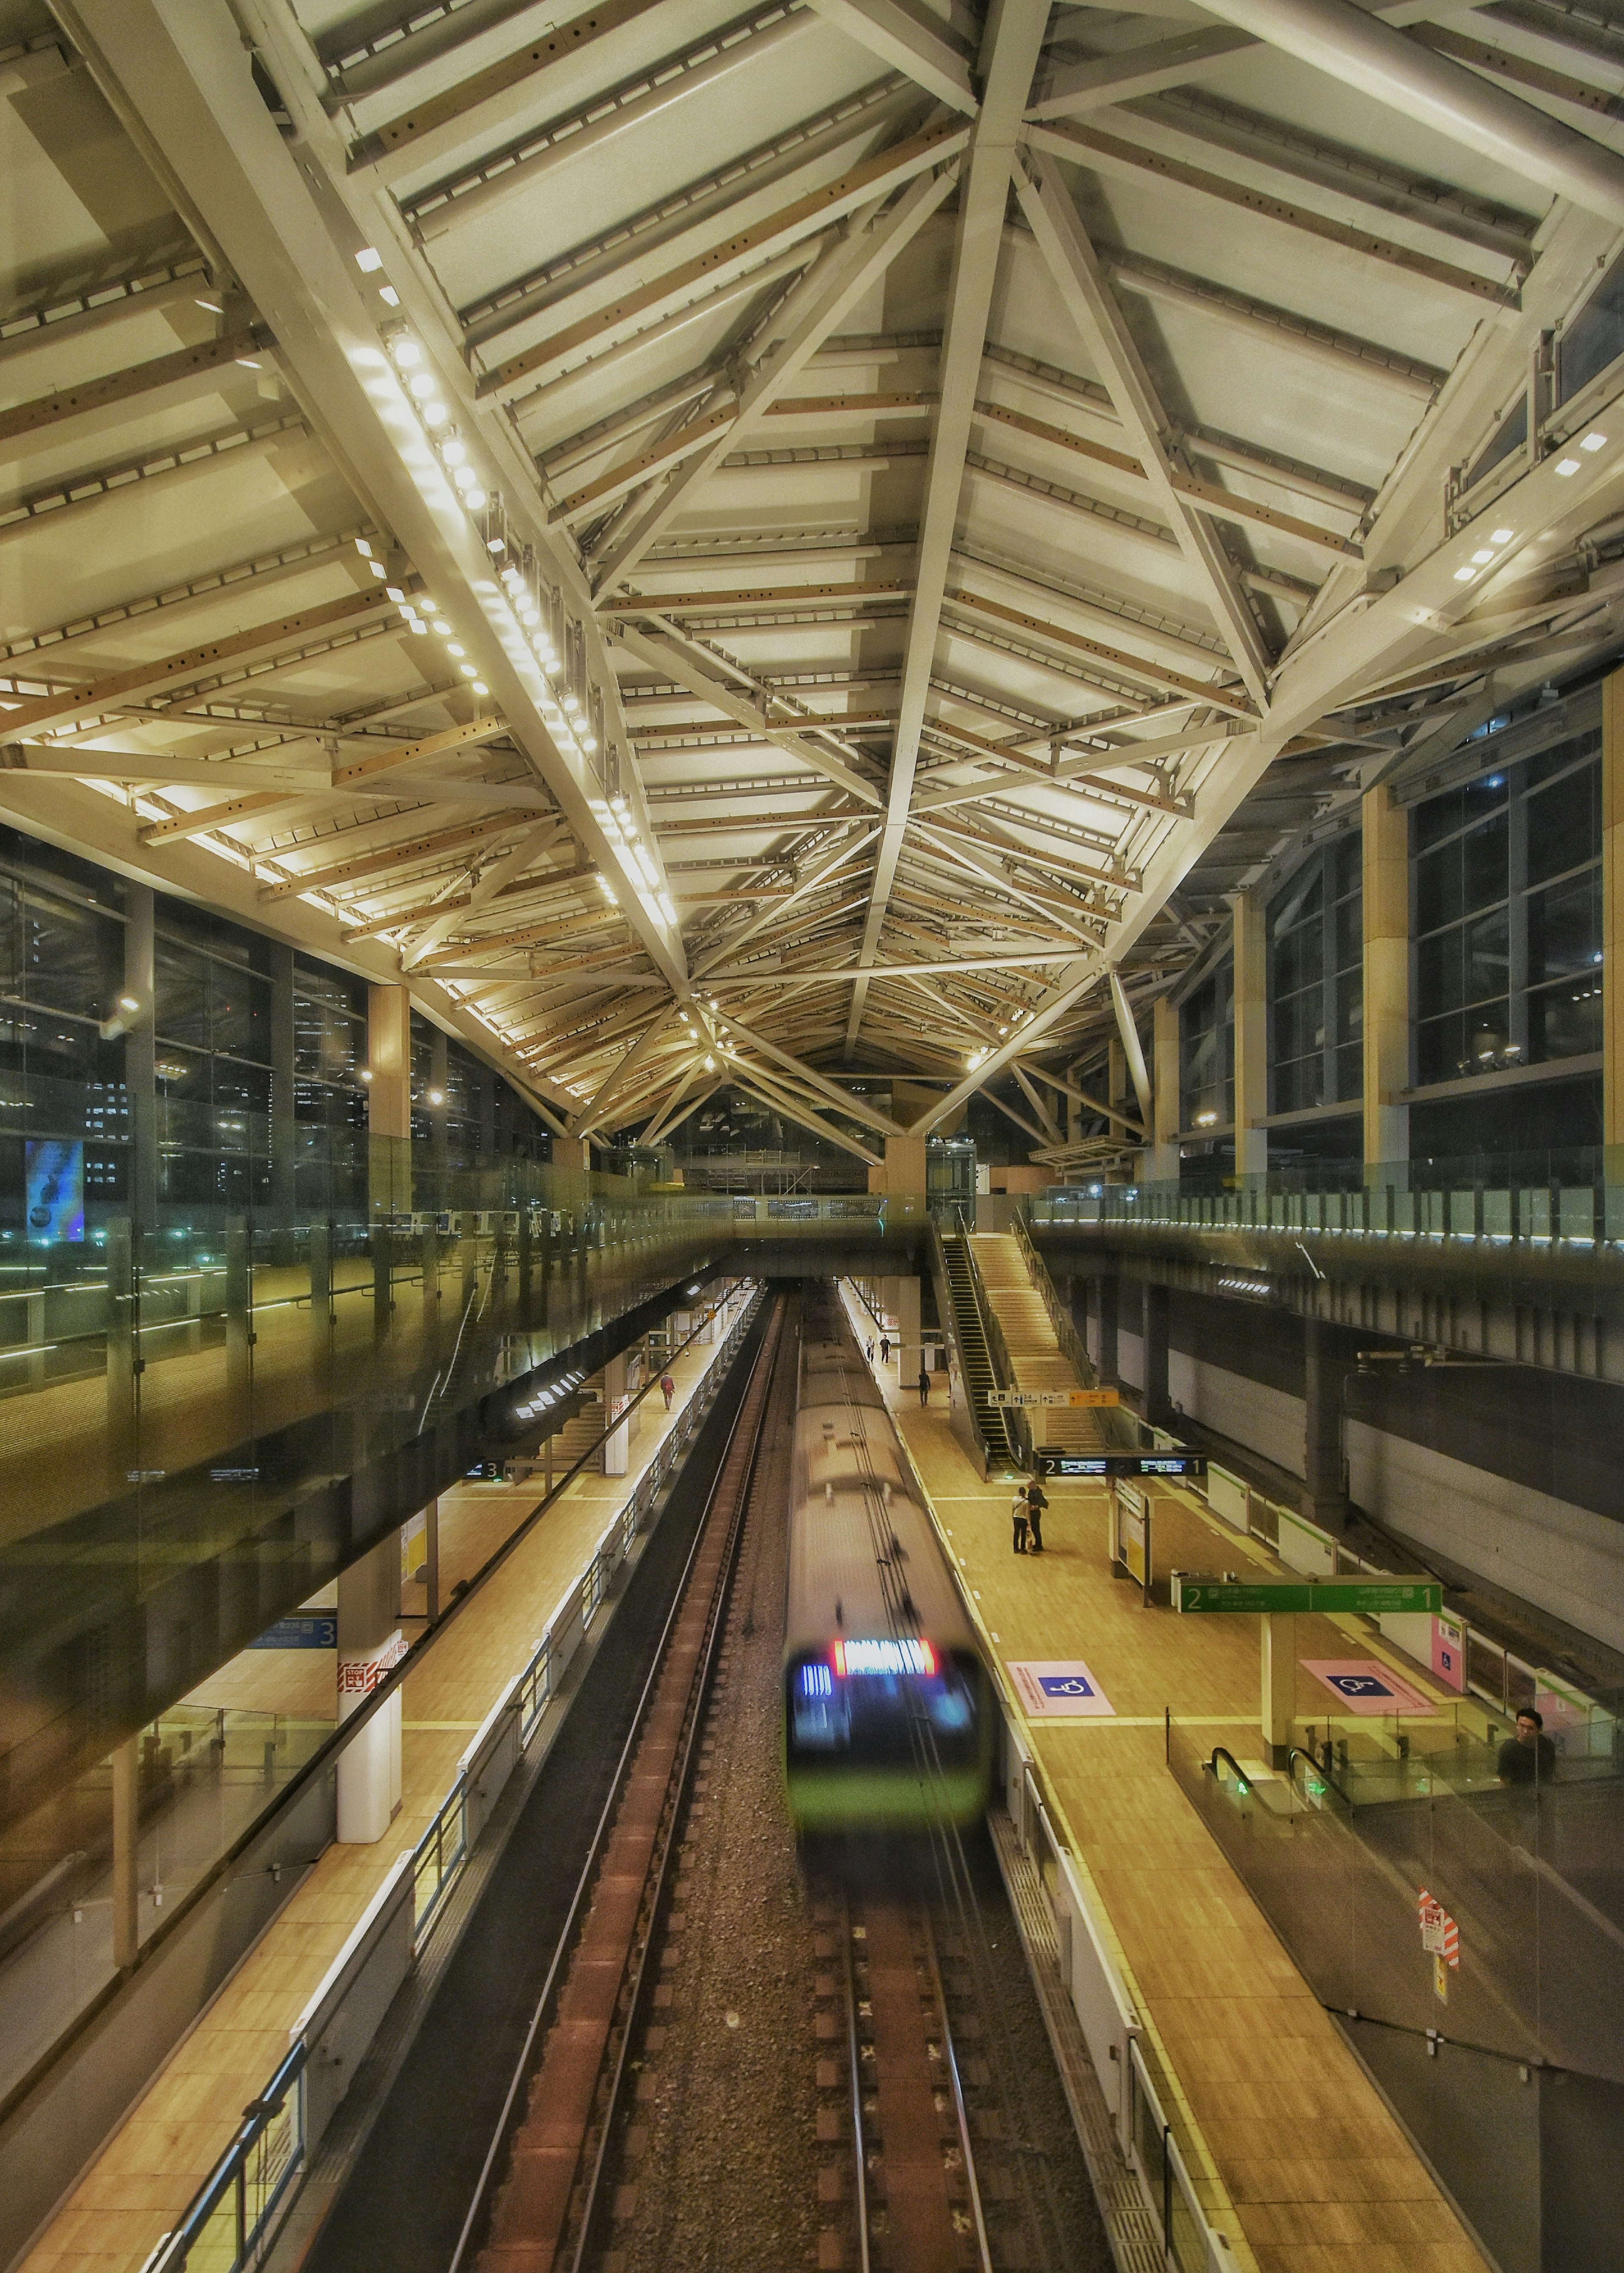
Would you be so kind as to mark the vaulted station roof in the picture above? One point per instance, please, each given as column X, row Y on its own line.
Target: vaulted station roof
column 761, row 545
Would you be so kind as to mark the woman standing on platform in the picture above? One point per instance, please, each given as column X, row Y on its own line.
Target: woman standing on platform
column 1037, row 1501
column 1018, row 1516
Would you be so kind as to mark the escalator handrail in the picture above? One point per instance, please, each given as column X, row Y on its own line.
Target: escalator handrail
column 1223, row 1752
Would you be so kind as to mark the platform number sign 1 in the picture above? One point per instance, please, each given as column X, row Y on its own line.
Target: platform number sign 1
column 1441, row 1938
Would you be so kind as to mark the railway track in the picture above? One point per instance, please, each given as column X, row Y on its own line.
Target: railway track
column 540, row 2199
column 915, row 2196
column 754, row 2058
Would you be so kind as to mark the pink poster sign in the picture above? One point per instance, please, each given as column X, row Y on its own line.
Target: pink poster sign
column 1363, row 1684
column 1449, row 1653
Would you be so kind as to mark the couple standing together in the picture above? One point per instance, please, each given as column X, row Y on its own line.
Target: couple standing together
column 1027, row 1511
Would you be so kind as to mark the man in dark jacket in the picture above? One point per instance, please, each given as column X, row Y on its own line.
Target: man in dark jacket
column 1037, row 1501
column 1529, row 1757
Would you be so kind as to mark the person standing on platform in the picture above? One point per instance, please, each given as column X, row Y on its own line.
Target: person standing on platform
column 885, row 1349
column 667, row 1390
column 925, row 1387
column 1037, row 1501
column 1019, row 1516
column 1529, row 1757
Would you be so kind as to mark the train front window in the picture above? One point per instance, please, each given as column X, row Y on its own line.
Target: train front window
column 883, row 1719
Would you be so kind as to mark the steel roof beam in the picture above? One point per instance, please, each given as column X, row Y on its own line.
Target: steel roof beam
column 932, row 59
column 1010, row 44
column 181, row 80
column 1075, row 271
column 832, row 288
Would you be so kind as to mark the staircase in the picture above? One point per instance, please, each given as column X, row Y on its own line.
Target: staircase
column 573, row 1438
column 1039, row 1359
column 980, row 1380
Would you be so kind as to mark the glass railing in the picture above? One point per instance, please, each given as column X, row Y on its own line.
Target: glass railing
column 1422, row 1200
column 233, row 2218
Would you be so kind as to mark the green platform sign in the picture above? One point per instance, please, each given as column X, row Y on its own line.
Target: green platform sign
column 1368, row 1596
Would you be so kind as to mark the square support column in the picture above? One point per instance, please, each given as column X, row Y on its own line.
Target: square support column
column 1108, row 1357
column 1251, row 1033
column 370, row 1645
column 1322, row 1377
column 1162, row 1160
column 574, row 1152
column 1387, row 987
column 1279, row 1684
column 1157, row 1408
column 1612, row 928
column 126, row 1846
column 141, row 1053
column 900, row 1299
column 902, row 1172
column 389, row 1098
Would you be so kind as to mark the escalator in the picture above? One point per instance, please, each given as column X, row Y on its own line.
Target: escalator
column 980, row 1378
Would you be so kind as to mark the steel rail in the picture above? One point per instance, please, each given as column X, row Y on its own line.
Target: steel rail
column 479, row 2208
column 631, row 2004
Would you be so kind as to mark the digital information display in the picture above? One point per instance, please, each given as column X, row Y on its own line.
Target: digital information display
column 1058, row 1462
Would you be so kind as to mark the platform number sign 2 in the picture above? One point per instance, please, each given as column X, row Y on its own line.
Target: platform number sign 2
column 1441, row 1938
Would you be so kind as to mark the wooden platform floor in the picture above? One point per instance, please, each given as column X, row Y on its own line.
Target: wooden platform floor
column 1295, row 2154
column 149, row 2170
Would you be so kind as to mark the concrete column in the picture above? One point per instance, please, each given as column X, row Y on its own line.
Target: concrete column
column 371, row 1644
column 126, row 1851
column 1612, row 928
column 389, row 1098
column 1279, row 1671
column 571, row 1152
column 1157, row 1408
column 283, row 1139
column 1251, row 1033
column 903, row 1173
column 140, row 1054
column 1387, row 979
column 123, row 1345
column 1162, row 1159
column 900, row 1300
column 617, row 1445
column 1322, row 1427
column 431, row 1558
column 1108, row 1372
column 239, row 1317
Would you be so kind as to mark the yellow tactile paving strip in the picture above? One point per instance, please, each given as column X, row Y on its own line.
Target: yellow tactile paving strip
column 1289, row 2143
column 151, row 2168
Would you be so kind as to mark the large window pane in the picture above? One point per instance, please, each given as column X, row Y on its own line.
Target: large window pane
column 1564, row 1021
column 1438, row 887
column 1564, row 929
column 1486, row 863
column 1438, row 981
column 1486, row 957
column 1564, row 824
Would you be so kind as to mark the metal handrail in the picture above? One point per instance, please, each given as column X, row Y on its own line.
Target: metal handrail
column 943, row 1290
column 1223, row 1752
column 1318, row 1769
column 173, row 2251
column 997, row 1349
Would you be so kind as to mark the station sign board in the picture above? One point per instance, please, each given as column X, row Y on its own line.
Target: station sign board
column 1070, row 1397
column 1365, row 1597
column 1060, row 1462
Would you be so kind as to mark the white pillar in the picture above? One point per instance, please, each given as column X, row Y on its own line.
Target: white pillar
column 900, row 1300
column 371, row 1644
column 1279, row 1671
column 618, row 1444
column 1251, row 1033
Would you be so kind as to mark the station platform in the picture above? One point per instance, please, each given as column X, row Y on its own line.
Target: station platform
column 1289, row 2144
column 150, row 2169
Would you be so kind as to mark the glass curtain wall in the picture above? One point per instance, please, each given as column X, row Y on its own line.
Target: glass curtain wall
column 1506, row 883
column 1316, row 981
